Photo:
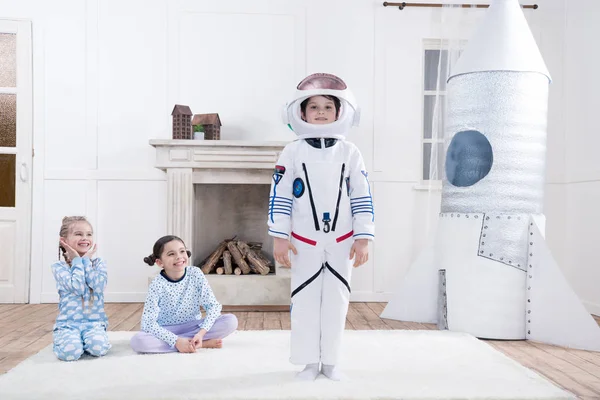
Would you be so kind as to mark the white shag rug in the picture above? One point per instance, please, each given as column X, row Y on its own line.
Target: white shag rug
column 254, row 365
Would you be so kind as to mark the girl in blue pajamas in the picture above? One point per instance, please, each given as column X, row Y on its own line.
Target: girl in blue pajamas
column 80, row 279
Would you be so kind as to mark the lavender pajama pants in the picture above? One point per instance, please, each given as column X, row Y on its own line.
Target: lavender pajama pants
column 144, row 342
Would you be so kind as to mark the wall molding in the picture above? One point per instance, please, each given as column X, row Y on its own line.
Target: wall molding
column 105, row 175
column 582, row 181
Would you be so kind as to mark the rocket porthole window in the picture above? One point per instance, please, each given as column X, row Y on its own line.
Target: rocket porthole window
column 469, row 158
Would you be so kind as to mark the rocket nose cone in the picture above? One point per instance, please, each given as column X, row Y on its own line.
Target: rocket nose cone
column 502, row 42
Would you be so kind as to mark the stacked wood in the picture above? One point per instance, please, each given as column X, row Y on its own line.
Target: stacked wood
column 214, row 257
column 239, row 258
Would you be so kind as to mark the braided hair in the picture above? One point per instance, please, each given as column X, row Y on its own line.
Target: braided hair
column 65, row 229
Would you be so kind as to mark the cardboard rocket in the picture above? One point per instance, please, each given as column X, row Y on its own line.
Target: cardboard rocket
column 489, row 271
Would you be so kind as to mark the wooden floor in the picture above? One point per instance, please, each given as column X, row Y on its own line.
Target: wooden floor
column 27, row 328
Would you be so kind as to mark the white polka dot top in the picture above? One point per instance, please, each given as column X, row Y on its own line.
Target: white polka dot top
column 173, row 303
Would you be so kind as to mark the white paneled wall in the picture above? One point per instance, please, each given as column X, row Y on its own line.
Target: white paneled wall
column 582, row 142
column 108, row 72
column 256, row 68
column 70, row 142
column 131, row 216
column 130, row 81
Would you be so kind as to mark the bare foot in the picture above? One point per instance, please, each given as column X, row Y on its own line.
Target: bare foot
column 212, row 344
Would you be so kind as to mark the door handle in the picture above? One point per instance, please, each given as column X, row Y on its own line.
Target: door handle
column 24, row 172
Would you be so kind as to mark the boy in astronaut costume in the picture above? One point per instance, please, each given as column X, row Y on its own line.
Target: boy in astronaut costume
column 320, row 209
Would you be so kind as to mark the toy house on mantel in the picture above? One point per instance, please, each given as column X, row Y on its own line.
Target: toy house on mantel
column 211, row 123
column 182, row 122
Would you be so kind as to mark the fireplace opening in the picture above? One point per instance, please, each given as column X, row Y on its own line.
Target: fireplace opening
column 230, row 230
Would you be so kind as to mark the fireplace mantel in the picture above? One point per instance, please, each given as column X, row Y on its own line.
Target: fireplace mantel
column 219, row 161
column 188, row 162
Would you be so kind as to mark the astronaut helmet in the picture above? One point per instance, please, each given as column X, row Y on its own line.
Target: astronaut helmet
column 322, row 84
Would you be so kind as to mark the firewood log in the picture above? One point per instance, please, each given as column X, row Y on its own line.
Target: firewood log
column 237, row 257
column 227, row 262
column 237, row 271
column 210, row 263
column 244, row 248
column 266, row 260
column 220, row 270
column 256, row 263
column 255, row 245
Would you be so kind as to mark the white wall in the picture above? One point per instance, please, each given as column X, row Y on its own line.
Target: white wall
column 107, row 74
column 582, row 105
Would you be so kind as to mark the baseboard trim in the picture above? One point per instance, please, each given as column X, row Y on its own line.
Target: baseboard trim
column 109, row 297
column 256, row 308
column 140, row 297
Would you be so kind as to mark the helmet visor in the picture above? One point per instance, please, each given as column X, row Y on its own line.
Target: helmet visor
column 322, row 81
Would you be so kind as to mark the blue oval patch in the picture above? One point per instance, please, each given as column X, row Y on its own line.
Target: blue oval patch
column 298, row 187
column 469, row 158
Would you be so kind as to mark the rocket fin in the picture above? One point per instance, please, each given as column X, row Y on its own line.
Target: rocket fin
column 555, row 314
column 416, row 298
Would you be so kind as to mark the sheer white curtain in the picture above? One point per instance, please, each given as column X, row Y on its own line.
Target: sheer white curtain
column 452, row 25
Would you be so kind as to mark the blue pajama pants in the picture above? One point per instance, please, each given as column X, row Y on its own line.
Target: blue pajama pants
column 71, row 341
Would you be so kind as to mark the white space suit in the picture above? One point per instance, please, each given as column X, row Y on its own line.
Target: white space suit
column 320, row 200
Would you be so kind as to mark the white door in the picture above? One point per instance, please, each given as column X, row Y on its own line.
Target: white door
column 16, row 154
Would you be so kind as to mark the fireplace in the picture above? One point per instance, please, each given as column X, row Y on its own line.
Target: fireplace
column 217, row 190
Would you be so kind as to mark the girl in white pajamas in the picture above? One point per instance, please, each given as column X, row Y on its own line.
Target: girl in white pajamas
column 321, row 209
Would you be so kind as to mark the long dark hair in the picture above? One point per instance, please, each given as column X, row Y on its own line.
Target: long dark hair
column 159, row 246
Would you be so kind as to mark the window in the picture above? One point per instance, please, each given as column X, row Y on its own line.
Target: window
column 436, row 61
column 8, row 118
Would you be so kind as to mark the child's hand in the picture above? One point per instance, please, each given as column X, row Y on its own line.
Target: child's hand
column 360, row 252
column 71, row 253
column 198, row 338
column 184, row 345
column 281, row 250
column 91, row 251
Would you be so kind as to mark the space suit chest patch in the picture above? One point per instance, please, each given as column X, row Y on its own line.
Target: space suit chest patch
column 278, row 174
column 298, row 187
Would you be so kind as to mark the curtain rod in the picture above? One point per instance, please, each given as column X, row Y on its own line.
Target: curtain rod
column 438, row 5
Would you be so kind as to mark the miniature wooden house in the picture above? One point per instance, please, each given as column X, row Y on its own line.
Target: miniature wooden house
column 211, row 124
column 182, row 122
